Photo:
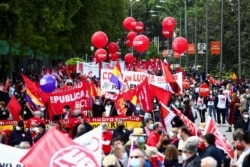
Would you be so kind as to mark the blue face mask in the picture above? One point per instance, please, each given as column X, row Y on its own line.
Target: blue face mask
column 134, row 162
column 151, row 126
column 124, row 156
column 141, row 139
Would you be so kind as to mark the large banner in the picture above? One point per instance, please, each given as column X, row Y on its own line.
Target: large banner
column 88, row 69
column 10, row 156
column 130, row 122
column 77, row 95
column 132, row 78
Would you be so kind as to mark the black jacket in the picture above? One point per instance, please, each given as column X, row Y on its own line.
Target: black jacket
column 39, row 136
column 242, row 124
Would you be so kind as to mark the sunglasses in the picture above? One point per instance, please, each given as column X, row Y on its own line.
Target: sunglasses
column 136, row 156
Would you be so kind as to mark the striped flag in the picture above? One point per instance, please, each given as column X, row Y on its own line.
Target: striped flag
column 116, row 76
column 166, row 115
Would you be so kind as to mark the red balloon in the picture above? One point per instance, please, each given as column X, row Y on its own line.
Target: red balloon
column 131, row 35
column 168, row 23
column 139, row 27
column 112, row 47
column 100, row 55
column 129, row 58
column 99, row 39
column 113, row 56
column 129, row 43
column 141, row 43
column 129, row 23
column 180, row 45
column 166, row 33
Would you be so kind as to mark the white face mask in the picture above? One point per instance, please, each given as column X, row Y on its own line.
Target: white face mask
column 179, row 136
column 138, row 108
column 18, row 128
column 246, row 116
column 184, row 156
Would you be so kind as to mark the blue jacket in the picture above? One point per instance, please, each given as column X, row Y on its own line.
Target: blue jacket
column 213, row 151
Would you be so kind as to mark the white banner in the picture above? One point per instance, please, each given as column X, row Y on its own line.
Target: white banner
column 93, row 142
column 89, row 69
column 133, row 79
column 10, row 156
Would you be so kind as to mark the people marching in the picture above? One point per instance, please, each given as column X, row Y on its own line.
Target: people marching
column 156, row 141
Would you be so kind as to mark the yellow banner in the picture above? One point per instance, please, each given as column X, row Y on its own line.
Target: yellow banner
column 130, row 122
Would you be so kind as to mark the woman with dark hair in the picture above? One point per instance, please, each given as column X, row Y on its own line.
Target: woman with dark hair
column 156, row 110
column 233, row 108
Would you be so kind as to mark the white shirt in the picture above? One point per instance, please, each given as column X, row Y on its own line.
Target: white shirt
column 242, row 157
column 108, row 109
column 222, row 99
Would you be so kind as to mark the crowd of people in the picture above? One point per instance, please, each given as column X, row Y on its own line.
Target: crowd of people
column 228, row 104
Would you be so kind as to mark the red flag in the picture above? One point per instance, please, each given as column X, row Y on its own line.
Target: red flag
column 169, row 79
column 35, row 90
column 221, row 142
column 55, row 149
column 166, row 115
column 161, row 94
column 14, row 107
column 145, row 97
column 189, row 124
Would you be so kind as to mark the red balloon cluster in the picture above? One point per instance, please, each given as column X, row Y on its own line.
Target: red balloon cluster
column 168, row 25
column 179, row 45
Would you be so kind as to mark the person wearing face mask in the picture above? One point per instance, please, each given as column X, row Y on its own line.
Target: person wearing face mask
column 156, row 110
column 149, row 124
column 18, row 135
column 136, row 158
column 66, row 112
column 211, row 150
column 139, row 137
column 244, row 122
column 41, row 132
column 121, row 131
column 139, row 112
column 244, row 141
column 4, row 113
column 156, row 137
column 189, row 154
column 98, row 109
column 183, row 135
column 108, row 108
column 121, row 155
column 106, row 139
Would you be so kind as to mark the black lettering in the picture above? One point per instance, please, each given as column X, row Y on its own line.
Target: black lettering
column 18, row 165
column 114, row 87
column 5, row 165
column 112, row 125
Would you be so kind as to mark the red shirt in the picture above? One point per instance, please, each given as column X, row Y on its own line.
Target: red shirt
column 153, row 139
column 107, row 136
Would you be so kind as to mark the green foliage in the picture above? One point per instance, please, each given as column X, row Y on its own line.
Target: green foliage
column 152, row 51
